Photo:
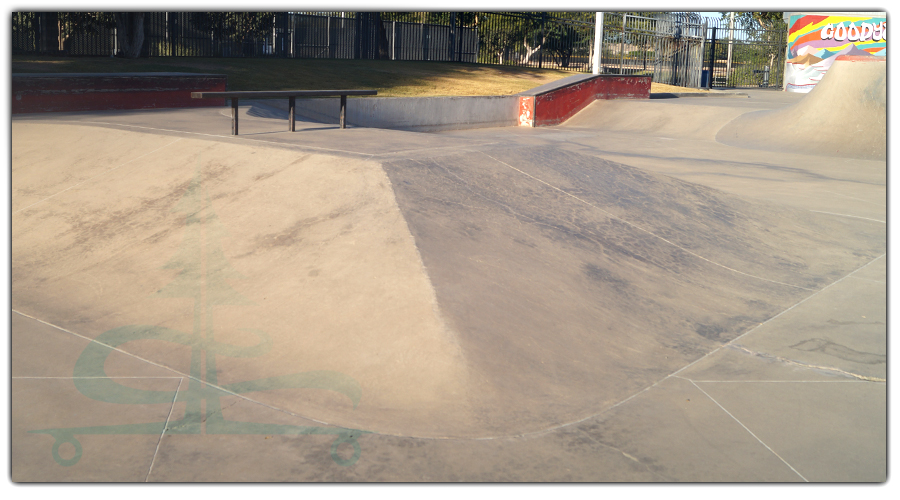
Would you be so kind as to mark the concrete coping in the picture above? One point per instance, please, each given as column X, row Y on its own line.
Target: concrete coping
column 670, row 95
column 107, row 75
column 566, row 82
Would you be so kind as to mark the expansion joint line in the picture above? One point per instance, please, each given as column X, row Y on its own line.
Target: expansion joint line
column 746, row 429
column 227, row 137
column 613, row 216
column 867, row 378
column 165, row 428
column 846, row 215
column 183, row 375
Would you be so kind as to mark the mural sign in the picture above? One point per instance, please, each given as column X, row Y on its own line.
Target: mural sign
column 815, row 41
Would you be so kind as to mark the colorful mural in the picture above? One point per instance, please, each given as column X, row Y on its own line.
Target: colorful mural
column 814, row 41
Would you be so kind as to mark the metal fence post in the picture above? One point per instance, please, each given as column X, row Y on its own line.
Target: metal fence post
column 598, row 44
column 452, row 37
column 622, row 46
column 712, row 58
column 702, row 52
column 356, row 46
column 543, row 41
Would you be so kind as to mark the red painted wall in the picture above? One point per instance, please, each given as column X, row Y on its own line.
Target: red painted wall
column 557, row 106
column 93, row 92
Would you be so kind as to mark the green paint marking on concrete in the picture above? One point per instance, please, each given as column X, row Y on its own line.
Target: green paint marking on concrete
column 204, row 271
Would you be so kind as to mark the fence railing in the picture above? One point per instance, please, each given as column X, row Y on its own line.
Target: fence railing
column 742, row 56
column 668, row 46
column 676, row 48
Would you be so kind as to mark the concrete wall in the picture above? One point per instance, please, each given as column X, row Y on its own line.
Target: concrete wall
column 59, row 92
column 425, row 114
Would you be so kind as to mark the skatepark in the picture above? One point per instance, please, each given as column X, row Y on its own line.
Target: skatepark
column 687, row 289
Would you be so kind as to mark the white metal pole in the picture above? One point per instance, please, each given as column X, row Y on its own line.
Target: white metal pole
column 730, row 46
column 598, row 43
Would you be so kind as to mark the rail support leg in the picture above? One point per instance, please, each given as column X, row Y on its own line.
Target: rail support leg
column 292, row 103
column 234, row 116
column 343, row 110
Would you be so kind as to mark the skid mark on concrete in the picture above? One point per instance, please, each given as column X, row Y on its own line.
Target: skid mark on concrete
column 642, row 229
column 624, row 454
column 95, row 176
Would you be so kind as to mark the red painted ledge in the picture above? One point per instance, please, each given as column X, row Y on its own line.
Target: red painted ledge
column 556, row 102
column 62, row 92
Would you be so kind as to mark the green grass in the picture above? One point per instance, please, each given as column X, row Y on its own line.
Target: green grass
column 389, row 78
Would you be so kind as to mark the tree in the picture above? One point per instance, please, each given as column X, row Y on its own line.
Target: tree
column 757, row 20
column 130, row 33
column 240, row 27
column 502, row 33
column 77, row 23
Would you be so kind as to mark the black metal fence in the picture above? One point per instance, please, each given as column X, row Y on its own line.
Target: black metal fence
column 307, row 36
column 686, row 50
column 668, row 46
column 745, row 56
column 676, row 48
column 538, row 40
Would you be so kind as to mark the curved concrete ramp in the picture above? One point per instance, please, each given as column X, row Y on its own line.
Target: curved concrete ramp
column 844, row 115
column 658, row 118
column 561, row 282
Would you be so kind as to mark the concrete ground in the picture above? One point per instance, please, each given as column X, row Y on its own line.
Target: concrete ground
column 618, row 299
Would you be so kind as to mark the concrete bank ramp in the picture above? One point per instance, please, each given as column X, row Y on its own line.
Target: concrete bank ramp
column 572, row 282
column 844, row 115
column 486, row 292
column 298, row 265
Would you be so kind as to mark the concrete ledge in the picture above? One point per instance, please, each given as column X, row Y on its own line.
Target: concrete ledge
column 556, row 102
column 672, row 95
column 422, row 114
column 60, row 92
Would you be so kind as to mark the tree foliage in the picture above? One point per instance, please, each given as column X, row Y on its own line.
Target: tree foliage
column 236, row 26
column 69, row 24
column 757, row 20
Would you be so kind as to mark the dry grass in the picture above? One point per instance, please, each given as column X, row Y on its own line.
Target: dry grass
column 389, row 78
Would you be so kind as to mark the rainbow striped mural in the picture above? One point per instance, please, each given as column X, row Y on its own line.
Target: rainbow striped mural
column 814, row 41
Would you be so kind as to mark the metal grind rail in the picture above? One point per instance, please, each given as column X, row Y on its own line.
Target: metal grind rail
column 291, row 95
